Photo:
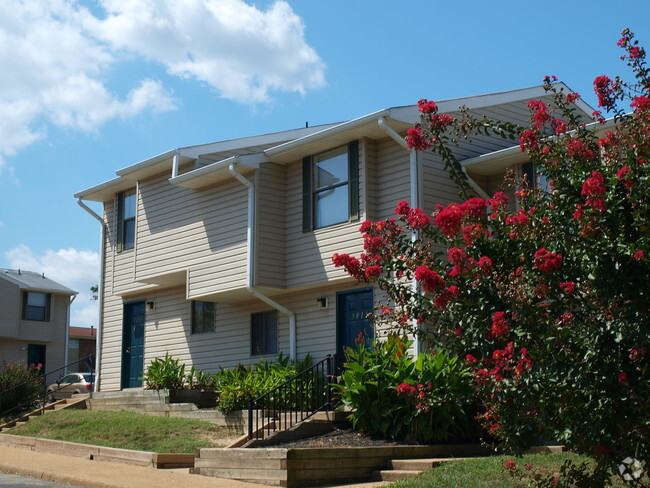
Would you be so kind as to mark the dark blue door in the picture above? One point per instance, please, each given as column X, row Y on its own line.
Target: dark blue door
column 133, row 344
column 352, row 321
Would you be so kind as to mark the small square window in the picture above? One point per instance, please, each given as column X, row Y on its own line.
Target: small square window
column 264, row 333
column 203, row 317
column 36, row 306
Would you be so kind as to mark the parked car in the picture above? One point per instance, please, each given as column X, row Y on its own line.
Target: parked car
column 70, row 384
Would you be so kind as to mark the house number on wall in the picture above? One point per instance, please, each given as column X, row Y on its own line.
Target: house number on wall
column 357, row 316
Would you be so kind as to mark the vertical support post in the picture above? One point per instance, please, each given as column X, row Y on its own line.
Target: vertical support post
column 328, row 386
column 250, row 420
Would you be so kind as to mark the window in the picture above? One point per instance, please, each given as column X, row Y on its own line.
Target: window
column 203, row 317
column 331, row 187
column 36, row 306
column 264, row 333
column 532, row 174
column 126, row 220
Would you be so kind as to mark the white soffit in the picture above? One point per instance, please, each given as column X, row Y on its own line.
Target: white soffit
column 105, row 192
column 495, row 162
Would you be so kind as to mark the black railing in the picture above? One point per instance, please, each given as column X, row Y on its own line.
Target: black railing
column 293, row 401
column 42, row 398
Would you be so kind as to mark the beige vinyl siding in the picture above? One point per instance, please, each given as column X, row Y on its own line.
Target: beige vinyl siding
column 436, row 185
column 309, row 254
column 392, row 177
column 168, row 330
column 371, row 178
column 10, row 308
column 270, row 181
column 203, row 231
column 11, row 350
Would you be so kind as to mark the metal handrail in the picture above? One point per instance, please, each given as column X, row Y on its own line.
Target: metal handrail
column 42, row 378
column 293, row 401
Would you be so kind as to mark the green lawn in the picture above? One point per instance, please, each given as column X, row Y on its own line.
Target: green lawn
column 127, row 430
column 490, row 472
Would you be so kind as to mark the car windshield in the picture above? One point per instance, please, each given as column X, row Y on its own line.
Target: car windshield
column 90, row 378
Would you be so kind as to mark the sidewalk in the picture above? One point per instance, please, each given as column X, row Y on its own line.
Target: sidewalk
column 97, row 474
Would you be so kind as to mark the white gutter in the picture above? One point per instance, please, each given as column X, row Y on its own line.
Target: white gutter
column 100, row 293
column 250, row 253
column 175, row 162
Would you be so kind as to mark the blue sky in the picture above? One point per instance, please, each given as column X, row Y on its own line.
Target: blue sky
column 89, row 87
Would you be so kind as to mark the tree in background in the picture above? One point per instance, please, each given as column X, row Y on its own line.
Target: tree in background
column 546, row 300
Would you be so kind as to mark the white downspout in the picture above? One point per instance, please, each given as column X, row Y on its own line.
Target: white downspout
column 175, row 161
column 414, row 188
column 250, row 253
column 66, row 357
column 100, row 293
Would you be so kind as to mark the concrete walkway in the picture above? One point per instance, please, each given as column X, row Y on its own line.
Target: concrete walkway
column 96, row 474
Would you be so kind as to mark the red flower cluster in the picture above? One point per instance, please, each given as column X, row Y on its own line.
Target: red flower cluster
column 457, row 256
column 351, row 264
column 572, row 97
column 500, row 326
column 641, row 103
column 606, row 91
column 440, row 121
column 639, row 255
column 416, row 139
column 622, row 176
column 578, row 149
column 405, row 389
column 445, row 297
column 568, row 287
column 431, row 281
column 538, row 113
column 498, row 201
column 528, row 141
column 473, row 232
column 546, row 261
column 373, row 271
column 511, row 465
column 427, row 106
column 449, row 218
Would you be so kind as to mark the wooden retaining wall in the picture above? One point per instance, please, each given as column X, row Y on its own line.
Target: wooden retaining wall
column 314, row 466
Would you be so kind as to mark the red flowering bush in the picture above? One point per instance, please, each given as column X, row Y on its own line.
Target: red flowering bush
column 548, row 303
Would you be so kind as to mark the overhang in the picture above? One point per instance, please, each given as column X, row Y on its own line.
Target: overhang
column 105, row 192
column 218, row 172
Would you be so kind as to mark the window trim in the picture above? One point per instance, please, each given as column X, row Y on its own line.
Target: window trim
column 193, row 319
column 47, row 307
column 264, row 350
column 123, row 222
column 309, row 193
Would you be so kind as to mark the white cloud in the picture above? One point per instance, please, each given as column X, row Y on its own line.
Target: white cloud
column 54, row 71
column 240, row 50
column 73, row 268
column 57, row 55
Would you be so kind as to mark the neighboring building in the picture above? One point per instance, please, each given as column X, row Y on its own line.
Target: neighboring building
column 34, row 318
column 82, row 343
column 222, row 252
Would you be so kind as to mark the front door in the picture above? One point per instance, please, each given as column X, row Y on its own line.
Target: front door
column 352, row 321
column 133, row 344
column 36, row 355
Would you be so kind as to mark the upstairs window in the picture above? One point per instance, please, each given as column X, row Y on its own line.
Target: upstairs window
column 331, row 187
column 126, row 201
column 203, row 317
column 264, row 333
column 36, row 306
column 534, row 177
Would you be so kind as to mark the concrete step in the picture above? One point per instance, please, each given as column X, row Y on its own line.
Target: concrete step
column 393, row 474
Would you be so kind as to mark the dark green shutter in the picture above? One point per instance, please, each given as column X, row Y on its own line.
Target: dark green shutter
column 119, row 230
column 306, row 194
column 353, row 161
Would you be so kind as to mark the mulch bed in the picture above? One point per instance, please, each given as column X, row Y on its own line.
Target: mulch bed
column 342, row 436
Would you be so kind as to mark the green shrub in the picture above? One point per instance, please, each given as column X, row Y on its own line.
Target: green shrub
column 396, row 396
column 243, row 383
column 14, row 374
column 166, row 373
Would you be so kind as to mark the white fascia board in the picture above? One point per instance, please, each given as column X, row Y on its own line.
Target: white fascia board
column 105, row 191
column 335, row 129
column 219, row 171
column 244, row 142
column 145, row 164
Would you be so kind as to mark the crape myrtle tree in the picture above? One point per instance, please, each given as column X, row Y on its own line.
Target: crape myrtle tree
column 545, row 294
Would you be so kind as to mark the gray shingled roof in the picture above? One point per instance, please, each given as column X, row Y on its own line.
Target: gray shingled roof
column 28, row 280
